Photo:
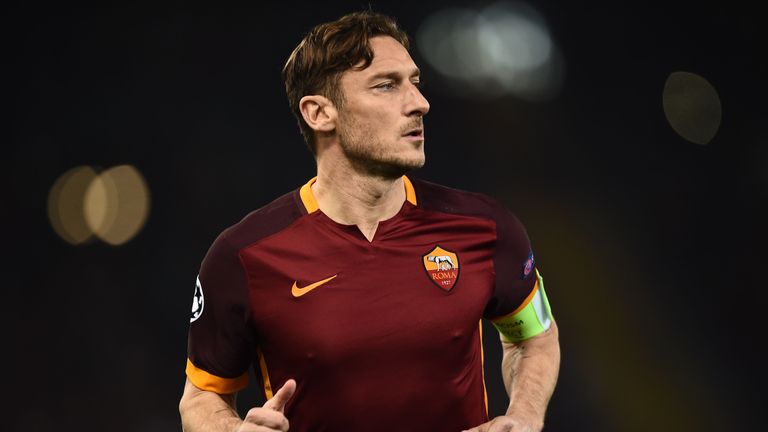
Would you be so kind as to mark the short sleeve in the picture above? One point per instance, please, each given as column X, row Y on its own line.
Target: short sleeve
column 518, row 307
column 220, row 341
column 513, row 263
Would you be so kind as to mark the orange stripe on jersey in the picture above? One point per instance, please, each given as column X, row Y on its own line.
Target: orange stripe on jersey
column 265, row 375
column 410, row 192
column 307, row 197
column 206, row 381
column 482, row 367
column 310, row 203
column 522, row 305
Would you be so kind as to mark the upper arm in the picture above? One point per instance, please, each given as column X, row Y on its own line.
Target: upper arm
column 192, row 393
column 532, row 317
column 518, row 308
column 546, row 338
column 197, row 402
column 220, row 339
column 203, row 410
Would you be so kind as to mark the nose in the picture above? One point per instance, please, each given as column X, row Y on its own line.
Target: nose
column 416, row 103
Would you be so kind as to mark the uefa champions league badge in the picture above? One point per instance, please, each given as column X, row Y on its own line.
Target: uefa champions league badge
column 528, row 267
column 198, row 302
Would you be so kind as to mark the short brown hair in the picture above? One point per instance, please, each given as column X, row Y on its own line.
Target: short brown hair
column 316, row 64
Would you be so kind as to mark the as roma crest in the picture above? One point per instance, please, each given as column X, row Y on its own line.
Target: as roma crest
column 442, row 267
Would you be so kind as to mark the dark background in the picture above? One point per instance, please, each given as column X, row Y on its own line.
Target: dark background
column 652, row 247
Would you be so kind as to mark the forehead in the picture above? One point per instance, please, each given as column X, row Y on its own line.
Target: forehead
column 388, row 56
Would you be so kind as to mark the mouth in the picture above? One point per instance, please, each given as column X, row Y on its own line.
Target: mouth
column 416, row 133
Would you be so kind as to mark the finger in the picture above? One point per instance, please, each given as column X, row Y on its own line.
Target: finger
column 282, row 397
column 482, row 428
column 499, row 424
column 261, row 429
column 274, row 420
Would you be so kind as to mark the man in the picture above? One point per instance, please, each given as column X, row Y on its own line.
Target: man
column 360, row 295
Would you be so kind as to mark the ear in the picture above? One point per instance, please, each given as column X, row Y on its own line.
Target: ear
column 319, row 113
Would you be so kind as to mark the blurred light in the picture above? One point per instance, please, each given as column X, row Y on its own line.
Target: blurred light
column 503, row 49
column 120, row 204
column 65, row 205
column 113, row 205
column 692, row 107
column 101, row 204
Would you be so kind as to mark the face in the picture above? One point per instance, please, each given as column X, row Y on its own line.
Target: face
column 380, row 125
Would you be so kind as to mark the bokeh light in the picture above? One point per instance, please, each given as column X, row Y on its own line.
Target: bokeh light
column 126, row 204
column 113, row 205
column 503, row 49
column 692, row 107
column 66, row 201
column 101, row 204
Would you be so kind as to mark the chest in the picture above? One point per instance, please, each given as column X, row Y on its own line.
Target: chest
column 418, row 285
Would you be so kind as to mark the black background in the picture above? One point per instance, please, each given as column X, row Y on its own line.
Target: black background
column 652, row 247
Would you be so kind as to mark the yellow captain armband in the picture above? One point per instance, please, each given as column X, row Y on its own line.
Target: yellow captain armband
column 531, row 318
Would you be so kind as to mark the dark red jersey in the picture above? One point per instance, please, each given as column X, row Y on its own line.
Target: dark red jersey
column 380, row 336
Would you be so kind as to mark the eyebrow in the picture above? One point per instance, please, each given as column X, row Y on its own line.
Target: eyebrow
column 394, row 75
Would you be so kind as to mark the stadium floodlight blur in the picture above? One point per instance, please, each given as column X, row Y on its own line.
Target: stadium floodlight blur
column 692, row 107
column 112, row 205
column 502, row 49
column 66, row 201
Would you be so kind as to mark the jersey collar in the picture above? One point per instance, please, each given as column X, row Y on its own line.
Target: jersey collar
column 308, row 198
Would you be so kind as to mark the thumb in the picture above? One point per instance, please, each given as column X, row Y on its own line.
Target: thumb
column 282, row 396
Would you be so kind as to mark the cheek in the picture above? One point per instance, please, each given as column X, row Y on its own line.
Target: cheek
column 383, row 125
column 372, row 121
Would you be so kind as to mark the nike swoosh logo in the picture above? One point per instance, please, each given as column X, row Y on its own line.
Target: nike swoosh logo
column 298, row 292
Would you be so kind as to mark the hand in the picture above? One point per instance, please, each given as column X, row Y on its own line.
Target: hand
column 271, row 416
column 507, row 424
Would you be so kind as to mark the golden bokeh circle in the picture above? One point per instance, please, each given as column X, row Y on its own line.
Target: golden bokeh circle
column 113, row 205
column 692, row 107
column 65, row 205
column 125, row 203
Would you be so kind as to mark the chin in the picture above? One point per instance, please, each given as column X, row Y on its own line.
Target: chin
column 386, row 164
column 394, row 168
column 405, row 166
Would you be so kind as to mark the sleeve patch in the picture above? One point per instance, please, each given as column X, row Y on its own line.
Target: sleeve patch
column 528, row 266
column 531, row 318
column 198, row 302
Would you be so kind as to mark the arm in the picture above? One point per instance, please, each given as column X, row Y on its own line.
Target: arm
column 207, row 411
column 530, row 369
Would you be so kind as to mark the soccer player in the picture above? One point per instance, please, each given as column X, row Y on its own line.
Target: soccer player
column 358, row 298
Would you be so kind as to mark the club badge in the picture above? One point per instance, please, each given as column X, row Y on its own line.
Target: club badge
column 442, row 267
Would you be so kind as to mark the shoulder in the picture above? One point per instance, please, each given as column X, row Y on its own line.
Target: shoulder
column 435, row 197
column 262, row 222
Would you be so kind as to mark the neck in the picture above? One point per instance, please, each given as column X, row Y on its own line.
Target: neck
column 351, row 197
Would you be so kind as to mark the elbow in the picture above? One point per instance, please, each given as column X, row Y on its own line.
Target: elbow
column 188, row 401
column 551, row 340
column 185, row 407
column 554, row 331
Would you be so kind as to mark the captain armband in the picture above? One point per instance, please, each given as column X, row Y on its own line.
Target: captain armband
column 531, row 318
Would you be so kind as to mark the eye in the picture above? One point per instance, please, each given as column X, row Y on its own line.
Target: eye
column 388, row 85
